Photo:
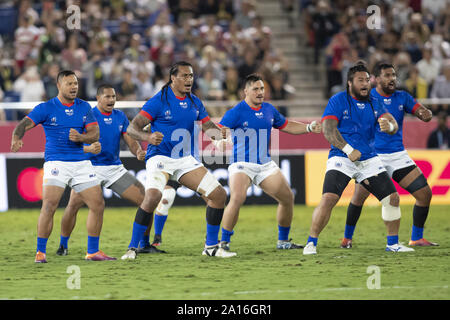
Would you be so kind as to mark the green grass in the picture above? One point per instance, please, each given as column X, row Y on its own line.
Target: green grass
column 258, row 272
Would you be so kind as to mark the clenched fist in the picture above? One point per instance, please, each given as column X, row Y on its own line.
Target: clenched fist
column 354, row 155
column 94, row 148
column 155, row 138
column 74, row 135
column 16, row 145
column 140, row 155
column 424, row 114
column 385, row 125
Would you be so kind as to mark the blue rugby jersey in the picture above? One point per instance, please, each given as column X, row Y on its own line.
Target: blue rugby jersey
column 175, row 118
column 57, row 120
column 251, row 129
column 112, row 126
column 396, row 104
column 357, row 122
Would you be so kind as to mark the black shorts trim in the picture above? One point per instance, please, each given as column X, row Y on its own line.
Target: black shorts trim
column 380, row 185
column 399, row 174
column 335, row 182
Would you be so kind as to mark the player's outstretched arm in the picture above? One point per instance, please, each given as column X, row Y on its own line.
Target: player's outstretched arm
column 294, row 127
column 136, row 131
column 423, row 113
column 19, row 131
column 388, row 124
column 334, row 137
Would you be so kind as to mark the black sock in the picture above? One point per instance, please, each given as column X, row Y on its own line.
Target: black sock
column 420, row 215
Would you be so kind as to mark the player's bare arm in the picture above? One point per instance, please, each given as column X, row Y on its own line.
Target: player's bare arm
column 94, row 148
column 294, row 127
column 388, row 124
column 213, row 130
column 92, row 135
column 136, row 131
column 134, row 146
column 334, row 137
column 19, row 131
column 423, row 113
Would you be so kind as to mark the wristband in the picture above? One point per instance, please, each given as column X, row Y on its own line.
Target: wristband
column 347, row 149
column 308, row 127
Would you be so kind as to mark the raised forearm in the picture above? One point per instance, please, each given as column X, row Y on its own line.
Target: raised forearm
column 212, row 130
column 132, row 144
column 92, row 135
column 332, row 134
column 137, row 134
column 24, row 125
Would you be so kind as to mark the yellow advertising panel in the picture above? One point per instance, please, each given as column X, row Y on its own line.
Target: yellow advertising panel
column 435, row 165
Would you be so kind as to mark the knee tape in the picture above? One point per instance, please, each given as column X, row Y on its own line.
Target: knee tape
column 156, row 180
column 208, row 184
column 388, row 211
column 169, row 196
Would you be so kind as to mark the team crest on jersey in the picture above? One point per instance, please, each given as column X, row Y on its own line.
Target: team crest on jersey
column 53, row 122
column 120, row 127
column 271, row 121
column 54, row 172
column 183, row 104
column 84, row 118
column 69, row 112
column 108, row 120
column 361, row 105
column 387, row 101
column 346, row 114
column 245, row 124
column 167, row 115
column 400, row 107
column 259, row 115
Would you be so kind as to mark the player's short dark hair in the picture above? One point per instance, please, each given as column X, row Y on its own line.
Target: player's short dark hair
column 65, row 73
column 251, row 78
column 102, row 88
column 359, row 66
column 380, row 67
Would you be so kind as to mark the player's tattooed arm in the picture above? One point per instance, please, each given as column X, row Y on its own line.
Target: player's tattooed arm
column 213, row 130
column 332, row 134
column 136, row 131
column 134, row 146
column 19, row 131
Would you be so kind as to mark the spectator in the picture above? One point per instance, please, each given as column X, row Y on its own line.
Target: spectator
column 26, row 41
column 440, row 137
column 428, row 67
column 416, row 85
column 324, row 26
column 73, row 57
column 2, row 112
column 245, row 14
column 30, row 86
column 441, row 87
column 49, row 81
column 144, row 86
column 231, row 84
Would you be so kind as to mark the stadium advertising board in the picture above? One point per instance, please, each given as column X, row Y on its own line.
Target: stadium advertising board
column 435, row 165
column 24, row 180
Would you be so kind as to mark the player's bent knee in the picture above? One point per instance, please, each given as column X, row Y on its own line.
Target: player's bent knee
column 218, row 196
column 151, row 199
column 168, row 197
column 155, row 180
column 208, row 184
column 390, row 212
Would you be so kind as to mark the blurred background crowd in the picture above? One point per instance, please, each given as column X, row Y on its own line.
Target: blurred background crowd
column 131, row 44
column 414, row 35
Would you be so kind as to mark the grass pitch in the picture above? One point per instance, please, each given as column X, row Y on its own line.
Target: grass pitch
column 259, row 271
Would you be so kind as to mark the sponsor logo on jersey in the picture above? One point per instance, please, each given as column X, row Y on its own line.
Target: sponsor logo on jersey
column 183, row 104
column 361, row 105
column 108, row 120
column 387, row 101
column 69, row 112
column 53, row 122
column 259, row 115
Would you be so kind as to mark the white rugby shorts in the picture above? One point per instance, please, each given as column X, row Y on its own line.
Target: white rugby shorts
column 107, row 175
column 396, row 160
column 175, row 168
column 79, row 175
column 256, row 172
column 358, row 170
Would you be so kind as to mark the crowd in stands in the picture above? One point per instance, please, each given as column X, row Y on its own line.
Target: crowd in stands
column 414, row 35
column 131, row 44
